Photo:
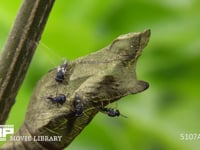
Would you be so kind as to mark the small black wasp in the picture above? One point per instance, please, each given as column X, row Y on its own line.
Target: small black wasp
column 111, row 112
column 78, row 105
column 61, row 70
column 58, row 99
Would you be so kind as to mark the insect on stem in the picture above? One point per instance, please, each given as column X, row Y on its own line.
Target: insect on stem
column 61, row 70
column 78, row 105
column 111, row 112
column 58, row 99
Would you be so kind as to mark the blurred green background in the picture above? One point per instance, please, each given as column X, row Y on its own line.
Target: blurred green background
column 170, row 63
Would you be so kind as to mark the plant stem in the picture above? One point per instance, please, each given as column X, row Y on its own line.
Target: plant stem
column 19, row 50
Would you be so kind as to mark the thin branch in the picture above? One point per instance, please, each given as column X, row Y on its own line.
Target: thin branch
column 19, row 50
column 64, row 108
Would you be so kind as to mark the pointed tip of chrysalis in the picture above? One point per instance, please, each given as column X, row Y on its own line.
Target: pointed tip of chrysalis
column 140, row 86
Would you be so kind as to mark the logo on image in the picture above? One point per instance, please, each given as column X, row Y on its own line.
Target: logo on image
column 5, row 130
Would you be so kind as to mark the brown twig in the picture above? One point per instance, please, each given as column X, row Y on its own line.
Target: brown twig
column 19, row 50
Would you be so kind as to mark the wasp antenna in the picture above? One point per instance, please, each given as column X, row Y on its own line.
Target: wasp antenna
column 64, row 60
column 123, row 116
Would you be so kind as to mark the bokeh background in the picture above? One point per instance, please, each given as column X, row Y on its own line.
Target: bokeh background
column 170, row 63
